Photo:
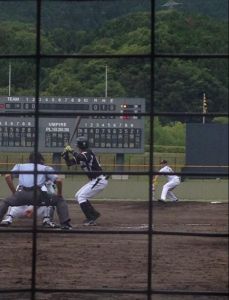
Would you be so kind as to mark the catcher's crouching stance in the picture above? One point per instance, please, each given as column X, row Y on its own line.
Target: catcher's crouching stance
column 46, row 213
column 28, row 187
column 98, row 181
column 26, row 211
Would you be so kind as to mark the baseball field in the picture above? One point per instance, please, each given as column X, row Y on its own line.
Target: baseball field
column 137, row 188
column 110, row 260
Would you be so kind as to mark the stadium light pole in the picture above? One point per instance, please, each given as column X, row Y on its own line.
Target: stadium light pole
column 9, row 79
column 204, row 106
column 171, row 4
column 106, row 81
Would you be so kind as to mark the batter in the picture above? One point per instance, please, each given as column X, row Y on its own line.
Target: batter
column 97, row 180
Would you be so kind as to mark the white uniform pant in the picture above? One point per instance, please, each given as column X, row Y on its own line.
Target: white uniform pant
column 167, row 189
column 25, row 211
column 90, row 189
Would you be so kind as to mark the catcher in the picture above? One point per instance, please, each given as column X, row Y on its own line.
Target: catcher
column 97, row 180
column 26, row 211
column 28, row 187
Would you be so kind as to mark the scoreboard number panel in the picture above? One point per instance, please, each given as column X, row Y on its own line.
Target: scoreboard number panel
column 19, row 133
column 115, row 134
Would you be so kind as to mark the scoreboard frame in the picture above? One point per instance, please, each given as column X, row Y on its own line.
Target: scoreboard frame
column 113, row 125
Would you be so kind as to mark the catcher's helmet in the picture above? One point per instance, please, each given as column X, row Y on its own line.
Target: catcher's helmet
column 82, row 142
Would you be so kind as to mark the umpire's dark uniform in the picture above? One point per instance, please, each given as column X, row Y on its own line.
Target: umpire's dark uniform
column 25, row 195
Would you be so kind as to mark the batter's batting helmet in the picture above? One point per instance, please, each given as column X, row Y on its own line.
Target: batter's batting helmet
column 82, row 142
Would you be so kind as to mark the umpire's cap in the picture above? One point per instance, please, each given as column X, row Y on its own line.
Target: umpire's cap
column 162, row 162
column 82, row 142
column 36, row 158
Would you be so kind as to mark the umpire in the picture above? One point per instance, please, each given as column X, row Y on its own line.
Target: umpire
column 31, row 193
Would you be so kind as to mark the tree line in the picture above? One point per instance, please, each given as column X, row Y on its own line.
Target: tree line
column 178, row 83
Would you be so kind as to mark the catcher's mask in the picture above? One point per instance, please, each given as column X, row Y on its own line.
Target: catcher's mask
column 82, row 142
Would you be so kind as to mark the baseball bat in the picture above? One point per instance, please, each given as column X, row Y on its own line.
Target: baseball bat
column 77, row 122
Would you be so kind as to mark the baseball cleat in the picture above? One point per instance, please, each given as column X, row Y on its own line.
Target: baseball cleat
column 66, row 226
column 50, row 224
column 161, row 201
column 89, row 223
column 5, row 223
column 92, row 222
column 96, row 215
column 176, row 200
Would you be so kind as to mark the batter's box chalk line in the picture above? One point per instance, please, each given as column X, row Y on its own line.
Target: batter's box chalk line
column 140, row 226
column 197, row 224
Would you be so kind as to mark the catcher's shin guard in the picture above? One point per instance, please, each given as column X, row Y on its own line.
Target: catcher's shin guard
column 51, row 211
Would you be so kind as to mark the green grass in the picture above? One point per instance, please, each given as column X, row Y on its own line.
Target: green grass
column 137, row 188
column 133, row 162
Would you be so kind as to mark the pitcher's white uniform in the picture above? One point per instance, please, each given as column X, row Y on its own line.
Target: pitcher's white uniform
column 173, row 181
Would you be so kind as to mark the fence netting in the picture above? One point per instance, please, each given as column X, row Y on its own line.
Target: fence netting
column 145, row 166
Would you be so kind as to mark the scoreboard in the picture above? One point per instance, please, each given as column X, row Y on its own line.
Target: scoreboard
column 106, row 132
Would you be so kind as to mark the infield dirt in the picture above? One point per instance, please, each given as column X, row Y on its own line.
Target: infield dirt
column 104, row 257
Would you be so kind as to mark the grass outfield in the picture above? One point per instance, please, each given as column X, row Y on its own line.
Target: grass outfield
column 137, row 188
column 133, row 162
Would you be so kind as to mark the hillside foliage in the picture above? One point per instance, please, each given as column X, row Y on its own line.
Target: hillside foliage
column 178, row 83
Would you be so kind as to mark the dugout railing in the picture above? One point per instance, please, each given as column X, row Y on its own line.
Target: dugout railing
column 149, row 292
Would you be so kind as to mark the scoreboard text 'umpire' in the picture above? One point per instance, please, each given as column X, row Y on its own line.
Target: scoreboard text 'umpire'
column 105, row 131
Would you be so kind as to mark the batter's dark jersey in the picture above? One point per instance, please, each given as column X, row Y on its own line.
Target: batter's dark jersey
column 87, row 161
